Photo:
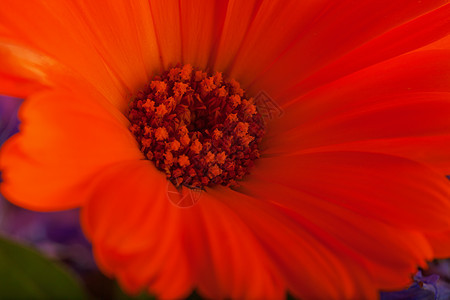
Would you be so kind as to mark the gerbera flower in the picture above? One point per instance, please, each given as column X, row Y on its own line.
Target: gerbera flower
column 348, row 195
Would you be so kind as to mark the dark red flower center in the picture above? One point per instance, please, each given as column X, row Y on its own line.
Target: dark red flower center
column 200, row 130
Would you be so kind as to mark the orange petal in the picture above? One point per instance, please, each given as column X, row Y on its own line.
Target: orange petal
column 64, row 141
column 443, row 43
column 166, row 20
column 145, row 249
column 229, row 260
column 169, row 249
column 189, row 31
column 25, row 72
column 272, row 26
column 238, row 20
column 345, row 254
column 394, row 190
column 311, row 269
column 440, row 242
column 123, row 35
column 112, row 50
column 404, row 38
column 315, row 60
column 431, row 150
column 398, row 107
column 201, row 24
column 19, row 87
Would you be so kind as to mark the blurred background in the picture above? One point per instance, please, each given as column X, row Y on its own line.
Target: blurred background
column 46, row 256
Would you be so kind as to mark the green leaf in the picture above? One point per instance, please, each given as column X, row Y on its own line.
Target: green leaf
column 26, row 274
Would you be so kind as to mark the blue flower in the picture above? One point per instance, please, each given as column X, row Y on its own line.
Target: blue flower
column 8, row 117
column 430, row 287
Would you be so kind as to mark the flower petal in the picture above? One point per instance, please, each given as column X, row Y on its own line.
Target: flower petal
column 369, row 192
column 367, row 209
column 201, row 26
column 63, row 142
column 115, row 57
column 272, row 27
column 300, row 38
column 230, row 261
column 362, row 255
column 25, row 72
column 144, row 248
column 166, row 20
column 402, row 39
column 353, row 40
column 238, row 20
column 170, row 249
column 398, row 107
column 440, row 241
column 394, row 190
column 310, row 269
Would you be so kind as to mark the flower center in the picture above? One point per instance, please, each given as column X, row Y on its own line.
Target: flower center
column 200, row 130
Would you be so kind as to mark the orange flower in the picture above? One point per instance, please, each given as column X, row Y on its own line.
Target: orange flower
column 349, row 194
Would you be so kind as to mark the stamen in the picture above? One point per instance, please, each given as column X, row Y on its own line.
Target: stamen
column 200, row 130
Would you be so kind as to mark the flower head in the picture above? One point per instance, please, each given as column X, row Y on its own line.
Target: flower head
column 347, row 183
column 204, row 120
